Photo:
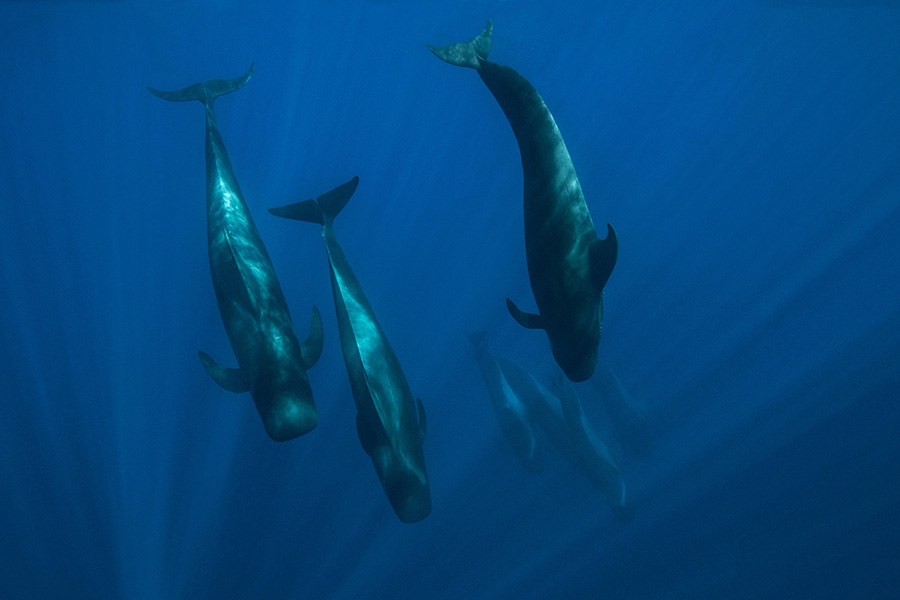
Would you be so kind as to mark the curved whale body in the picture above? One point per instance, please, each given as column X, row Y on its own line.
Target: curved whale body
column 271, row 363
column 390, row 427
column 568, row 264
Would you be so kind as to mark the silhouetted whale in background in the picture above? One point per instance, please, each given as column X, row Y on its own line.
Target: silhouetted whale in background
column 386, row 421
column 568, row 264
column 629, row 416
column 512, row 414
column 568, row 429
column 272, row 366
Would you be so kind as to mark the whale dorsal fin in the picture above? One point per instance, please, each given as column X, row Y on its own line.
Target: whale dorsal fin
column 312, row 347
column 526, row 320
column 603, row 258
column 232, row 380
column 422, row 423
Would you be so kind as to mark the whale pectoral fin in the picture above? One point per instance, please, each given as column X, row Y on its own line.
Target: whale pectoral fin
column 603, row 258
column 311, row 349
column 526, row 320
column 422, row 422
column 363, row 433
column 232, row 380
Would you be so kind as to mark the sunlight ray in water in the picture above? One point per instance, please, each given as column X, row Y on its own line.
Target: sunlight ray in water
column 746, row 155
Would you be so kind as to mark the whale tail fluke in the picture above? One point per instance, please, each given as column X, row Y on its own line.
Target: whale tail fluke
column 334, row 201
column 206, row 92
column 321, row 210
column 467, row 54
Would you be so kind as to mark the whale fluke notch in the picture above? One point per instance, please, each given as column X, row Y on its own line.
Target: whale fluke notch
column 324, row 208
column 311, row 349
column 467, row 54
column 232, row 380
column 207, row 91
column 526, row 320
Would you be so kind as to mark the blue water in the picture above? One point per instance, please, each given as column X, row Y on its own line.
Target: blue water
column 747, row 152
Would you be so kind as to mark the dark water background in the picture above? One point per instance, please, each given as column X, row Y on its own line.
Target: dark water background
column 747, row 152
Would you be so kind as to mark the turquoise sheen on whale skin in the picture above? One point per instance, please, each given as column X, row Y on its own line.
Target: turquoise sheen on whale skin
column 389, row 429
column 568, row 264
column 271, row 364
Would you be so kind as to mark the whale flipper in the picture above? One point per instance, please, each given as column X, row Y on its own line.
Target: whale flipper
column 467, row 54
column 311, row 349
column 603, row 257
column 207, row 91
column 232, row 380
column 526, row 320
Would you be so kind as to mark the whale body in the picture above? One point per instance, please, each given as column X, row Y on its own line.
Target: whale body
column 387, row 423
column 271, row 363
column 512, row 414
column 562, row 418
column 568, row 264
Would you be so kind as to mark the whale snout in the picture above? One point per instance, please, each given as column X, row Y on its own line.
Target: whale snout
column 409, row 494
column 290, row 417
column 413, row 508
column 579, row 363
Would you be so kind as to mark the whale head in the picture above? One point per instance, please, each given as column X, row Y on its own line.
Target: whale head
column 576, row 351
column 285, row 404
column 405, row 485
column 290, row 417
column 409, row 495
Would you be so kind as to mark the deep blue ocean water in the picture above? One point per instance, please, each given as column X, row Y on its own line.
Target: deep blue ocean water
column 747, row 152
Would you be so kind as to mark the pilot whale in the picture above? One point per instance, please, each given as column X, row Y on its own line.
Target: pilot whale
column 562, row 418
column 387, row 423
column 568, row 264
column 271, row 363
column 513, row 415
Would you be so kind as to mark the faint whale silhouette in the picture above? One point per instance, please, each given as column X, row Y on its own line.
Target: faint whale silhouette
column 568, row 429
column 512, row 414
